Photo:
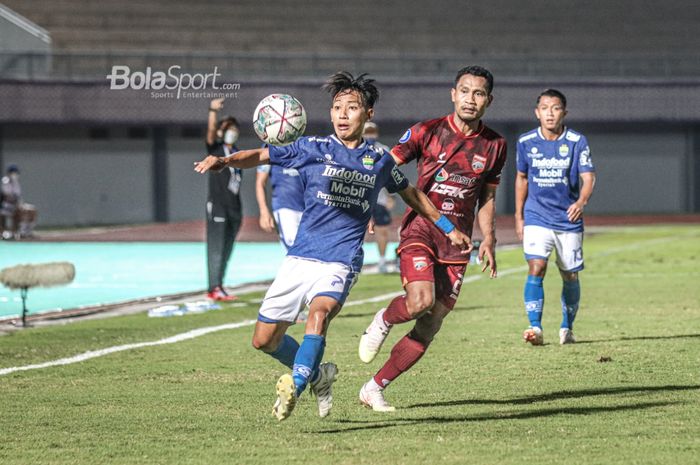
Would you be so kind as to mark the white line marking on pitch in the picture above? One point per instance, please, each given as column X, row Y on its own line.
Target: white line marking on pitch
column 211, row 329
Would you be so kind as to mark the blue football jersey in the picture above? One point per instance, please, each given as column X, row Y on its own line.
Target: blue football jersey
column 553, row 168
column 341, row 186
column 287, row 189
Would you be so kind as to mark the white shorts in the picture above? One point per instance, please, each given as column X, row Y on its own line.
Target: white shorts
column 287, row 225
column 298, row 282
column 538, row 242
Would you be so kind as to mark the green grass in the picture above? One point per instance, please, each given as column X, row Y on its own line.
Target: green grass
column 479, row 396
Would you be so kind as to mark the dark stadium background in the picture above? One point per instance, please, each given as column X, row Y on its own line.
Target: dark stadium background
column 94, row 156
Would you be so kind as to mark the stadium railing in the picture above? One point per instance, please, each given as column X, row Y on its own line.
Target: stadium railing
column 90, row 66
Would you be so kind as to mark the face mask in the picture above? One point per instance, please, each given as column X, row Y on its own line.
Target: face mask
column 230, row 136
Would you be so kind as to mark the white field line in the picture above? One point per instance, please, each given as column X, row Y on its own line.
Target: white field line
column 211, row 329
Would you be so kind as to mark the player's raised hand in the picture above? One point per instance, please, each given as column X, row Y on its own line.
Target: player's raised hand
column 217, row 104
column 487, row 255
column 211, row 162
column 575, row 211
column 461, row 240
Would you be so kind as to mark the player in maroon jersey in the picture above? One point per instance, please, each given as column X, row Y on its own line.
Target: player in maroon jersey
column 459, row 162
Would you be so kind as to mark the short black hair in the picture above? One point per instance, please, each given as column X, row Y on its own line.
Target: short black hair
column 229, row 120
column 12, row 169
column 343, row 81
column 478, row 71
column 552, row 93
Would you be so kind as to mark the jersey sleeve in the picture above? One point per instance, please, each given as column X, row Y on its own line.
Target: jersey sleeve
column 494, row 176
column 585, row 162
column 263, row 168
column 289, row 156
column 409, row 146
column 397, row 181
column 521, row 158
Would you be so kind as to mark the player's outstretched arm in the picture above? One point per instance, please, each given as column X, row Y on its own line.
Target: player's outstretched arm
column 575, row 210
column 241, row 159
column 487, row 224
column 420, row 202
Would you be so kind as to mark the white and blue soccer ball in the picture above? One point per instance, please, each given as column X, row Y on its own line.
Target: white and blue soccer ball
column 279, row 119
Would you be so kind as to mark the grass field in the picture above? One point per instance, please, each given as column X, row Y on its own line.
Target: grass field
column 479, row 396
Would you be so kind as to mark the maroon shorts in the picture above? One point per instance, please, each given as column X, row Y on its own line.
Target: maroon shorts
column 418, row 264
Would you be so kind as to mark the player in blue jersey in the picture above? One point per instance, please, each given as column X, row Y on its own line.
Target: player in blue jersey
column 554, row 182
column 287, row 201
column 342, row 176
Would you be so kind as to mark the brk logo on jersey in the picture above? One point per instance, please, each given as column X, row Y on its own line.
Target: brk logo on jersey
column 368, row 162
column 478, row 163
column 450, row 191
column 442, row 175
column 563, row 150
column 405, row 137
column 420, row 263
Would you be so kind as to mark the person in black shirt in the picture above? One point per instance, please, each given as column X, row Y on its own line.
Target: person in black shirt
column 223, row 201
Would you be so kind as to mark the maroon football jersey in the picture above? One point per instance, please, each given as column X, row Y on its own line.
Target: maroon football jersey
column 452, row 168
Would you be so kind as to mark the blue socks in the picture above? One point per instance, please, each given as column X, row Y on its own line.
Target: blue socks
column 570, row 296
column 286, row 351
column 534, row 300
column 307, row 360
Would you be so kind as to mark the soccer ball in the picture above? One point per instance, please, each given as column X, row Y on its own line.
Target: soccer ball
column 279, row 119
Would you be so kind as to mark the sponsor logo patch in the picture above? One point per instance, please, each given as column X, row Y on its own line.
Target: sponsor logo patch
column 420, row 263
column 405, row 137
column 448, row 205
column 442, row 175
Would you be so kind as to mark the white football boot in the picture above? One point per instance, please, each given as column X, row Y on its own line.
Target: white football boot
column 372, row 396
column 373, row 337
column 566, row 336
column 323, row 388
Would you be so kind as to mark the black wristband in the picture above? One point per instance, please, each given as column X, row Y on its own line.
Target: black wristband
column 211, row 109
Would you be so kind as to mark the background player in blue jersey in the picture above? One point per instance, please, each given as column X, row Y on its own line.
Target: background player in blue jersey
column 287, row 201
column 555, row 179
column 342, row 176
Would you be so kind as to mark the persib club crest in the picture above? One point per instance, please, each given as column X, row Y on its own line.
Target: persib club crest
column 478, row 164
column 563, row 150
column 368, row 162
column 442, row 175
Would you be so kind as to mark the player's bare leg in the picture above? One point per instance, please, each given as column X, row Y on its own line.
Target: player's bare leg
column 534, row 300
column 418, row 300
column 570, row 296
